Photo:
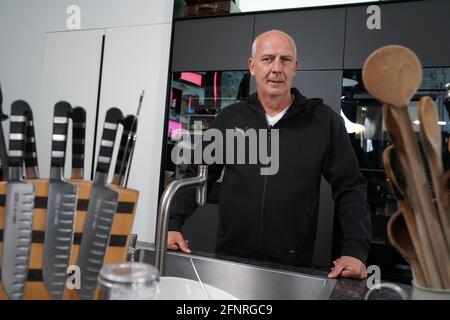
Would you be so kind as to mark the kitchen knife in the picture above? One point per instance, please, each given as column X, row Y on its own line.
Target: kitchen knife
column 127, row 174
column 126, row 145
column 3, row 152
column 61, row 208
column 101, row 209
column 78, row 139
column 31, row 161
column 19, row 209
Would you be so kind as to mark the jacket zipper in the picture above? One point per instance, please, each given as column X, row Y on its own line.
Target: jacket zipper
column 269, row 151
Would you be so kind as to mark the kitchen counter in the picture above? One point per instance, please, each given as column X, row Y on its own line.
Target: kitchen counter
column 342, row 289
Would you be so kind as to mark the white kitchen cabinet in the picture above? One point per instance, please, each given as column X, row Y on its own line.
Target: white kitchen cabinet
column 71, row 71
column 135, row 59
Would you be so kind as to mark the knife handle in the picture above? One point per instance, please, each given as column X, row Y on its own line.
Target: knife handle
column 126, row 144
column 17, row 133
column 31, row 162
column 78, row 139
column 2, row 115
column 59, row 137
column 112, row 119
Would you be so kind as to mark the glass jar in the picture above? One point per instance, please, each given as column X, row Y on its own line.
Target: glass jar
column 128, row 281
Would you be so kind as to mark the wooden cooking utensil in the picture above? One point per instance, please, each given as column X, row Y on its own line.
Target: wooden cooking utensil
column 397, row 182
column 393, row 74
column 430, row 133
column 401, row 240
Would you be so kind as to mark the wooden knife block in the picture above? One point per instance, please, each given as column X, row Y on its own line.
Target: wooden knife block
column 118, row 244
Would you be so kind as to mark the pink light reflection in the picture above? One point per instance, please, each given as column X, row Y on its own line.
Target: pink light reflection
column 174, row 129
column 192, row 77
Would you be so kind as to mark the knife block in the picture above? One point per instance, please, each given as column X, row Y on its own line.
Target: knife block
column 118, row 243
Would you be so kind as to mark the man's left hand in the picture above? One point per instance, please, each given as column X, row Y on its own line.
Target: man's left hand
column 348, row 267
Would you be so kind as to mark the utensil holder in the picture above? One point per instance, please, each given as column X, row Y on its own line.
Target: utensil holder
column 118, row 242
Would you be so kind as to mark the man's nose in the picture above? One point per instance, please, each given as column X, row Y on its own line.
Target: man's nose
column 276, row 65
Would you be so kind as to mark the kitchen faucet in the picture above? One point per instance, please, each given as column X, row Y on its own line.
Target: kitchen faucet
column 199, row 182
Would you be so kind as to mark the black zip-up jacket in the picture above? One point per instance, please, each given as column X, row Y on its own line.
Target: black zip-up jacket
column 275, row 216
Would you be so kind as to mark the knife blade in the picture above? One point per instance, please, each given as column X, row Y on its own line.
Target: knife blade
column 101, row 209
column 31, row 161
column 126, row 145
column 61, row 208
column 19, row 209
column 78, row 140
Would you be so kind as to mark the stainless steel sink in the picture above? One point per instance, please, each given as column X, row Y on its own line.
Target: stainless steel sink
column 242, row 280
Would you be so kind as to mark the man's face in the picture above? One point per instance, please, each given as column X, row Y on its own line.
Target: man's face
column 274, row 65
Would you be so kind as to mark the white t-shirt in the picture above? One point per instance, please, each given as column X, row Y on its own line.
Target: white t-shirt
column 272, row 120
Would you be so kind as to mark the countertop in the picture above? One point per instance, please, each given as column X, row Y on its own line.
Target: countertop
column 344, row 289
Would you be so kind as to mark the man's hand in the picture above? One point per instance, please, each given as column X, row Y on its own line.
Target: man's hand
column 175, row 241
column 348, row 267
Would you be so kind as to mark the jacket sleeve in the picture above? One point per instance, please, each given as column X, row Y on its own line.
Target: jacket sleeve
column 184, row 203
column 349, row 187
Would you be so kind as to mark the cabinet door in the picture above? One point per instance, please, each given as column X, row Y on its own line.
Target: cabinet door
column 71, row 70
column 319, row 35
column 135, row 59
column 422, row 26
column 212, row 44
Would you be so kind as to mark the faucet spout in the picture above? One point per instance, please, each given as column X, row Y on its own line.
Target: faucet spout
column 162, row 220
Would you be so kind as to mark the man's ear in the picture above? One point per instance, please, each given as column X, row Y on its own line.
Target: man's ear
column 251, row 66
column 296, row 67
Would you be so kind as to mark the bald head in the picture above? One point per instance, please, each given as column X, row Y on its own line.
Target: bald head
column 268, row 33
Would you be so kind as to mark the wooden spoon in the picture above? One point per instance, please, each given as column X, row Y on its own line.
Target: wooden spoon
column 412, row 195
column 399, row 235
column 407, row 242
column 393, row 74
column 432, row 144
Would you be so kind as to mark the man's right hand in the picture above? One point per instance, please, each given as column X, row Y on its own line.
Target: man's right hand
column 175, row 241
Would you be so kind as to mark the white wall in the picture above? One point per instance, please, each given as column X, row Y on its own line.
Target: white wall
column 23, row 25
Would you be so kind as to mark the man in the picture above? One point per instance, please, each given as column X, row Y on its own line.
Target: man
column 274, row 217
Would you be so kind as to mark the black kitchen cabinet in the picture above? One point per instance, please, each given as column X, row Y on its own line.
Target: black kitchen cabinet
column 319, row 35
column 321, row 84
column 212, row 44
column 422, row 26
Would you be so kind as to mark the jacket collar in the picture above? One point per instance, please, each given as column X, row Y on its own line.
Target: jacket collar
column 299, row 104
